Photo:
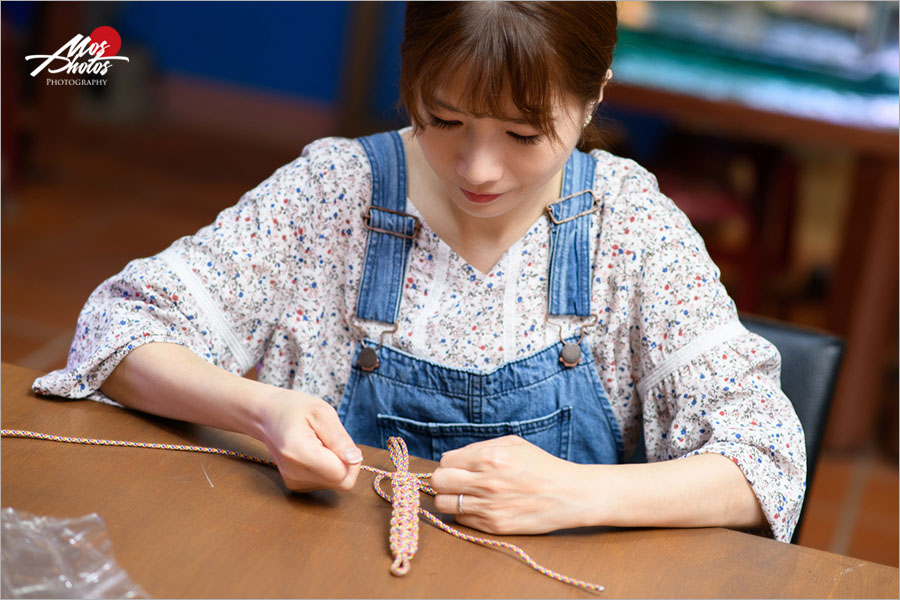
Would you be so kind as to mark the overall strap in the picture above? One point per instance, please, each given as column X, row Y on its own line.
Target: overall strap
column 391, row 231
column 570, row 244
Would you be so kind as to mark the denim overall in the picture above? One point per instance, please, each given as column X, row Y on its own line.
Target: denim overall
column 434, row 408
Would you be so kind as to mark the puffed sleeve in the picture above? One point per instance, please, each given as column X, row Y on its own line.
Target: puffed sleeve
column 217, row 292
column 705, row 383
column 728, row 400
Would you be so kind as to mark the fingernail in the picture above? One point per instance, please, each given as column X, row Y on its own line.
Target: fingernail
column 353, row 456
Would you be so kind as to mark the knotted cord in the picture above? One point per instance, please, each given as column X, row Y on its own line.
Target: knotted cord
column 404, row 535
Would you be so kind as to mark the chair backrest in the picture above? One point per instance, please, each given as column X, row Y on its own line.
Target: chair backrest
column 810, row 363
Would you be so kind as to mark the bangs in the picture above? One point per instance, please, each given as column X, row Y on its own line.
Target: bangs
column 501, row 58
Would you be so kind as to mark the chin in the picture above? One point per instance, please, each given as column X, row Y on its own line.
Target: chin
column 484, row 211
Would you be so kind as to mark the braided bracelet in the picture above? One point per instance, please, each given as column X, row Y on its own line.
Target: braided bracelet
column 404, row 535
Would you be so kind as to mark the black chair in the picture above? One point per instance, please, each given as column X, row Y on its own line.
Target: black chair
column 810, row 362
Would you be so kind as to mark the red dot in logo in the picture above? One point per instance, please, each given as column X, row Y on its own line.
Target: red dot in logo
column 107, row 34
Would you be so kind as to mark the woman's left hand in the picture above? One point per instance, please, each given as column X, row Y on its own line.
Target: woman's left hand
column 508, row 486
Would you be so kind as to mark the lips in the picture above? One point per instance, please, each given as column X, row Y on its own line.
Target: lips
column 480, row 198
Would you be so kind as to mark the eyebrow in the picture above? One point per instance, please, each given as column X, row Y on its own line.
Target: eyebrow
column 445, row 106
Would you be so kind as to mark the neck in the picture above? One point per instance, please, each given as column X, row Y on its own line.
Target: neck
column 479, row 241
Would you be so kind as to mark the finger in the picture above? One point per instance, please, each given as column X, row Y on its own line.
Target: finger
column 306, row 482
column 306, row 479
column 450, row 504
column 446, row 480
column 471, row 457
column 319, row 468
column 465, row 458
column 331, row 432
column 305, row 461
column 481, row 523
column 350, row 480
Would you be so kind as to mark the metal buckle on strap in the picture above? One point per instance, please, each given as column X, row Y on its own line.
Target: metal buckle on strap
column 591, row 210
column 367, row 219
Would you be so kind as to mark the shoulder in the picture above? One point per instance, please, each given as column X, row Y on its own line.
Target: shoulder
column 320, row 162
column 617, row 172
column 328, row 171
column 625, row 185
column 335, row 152
column 655, row 257
column 335, row 161
column 635, row 212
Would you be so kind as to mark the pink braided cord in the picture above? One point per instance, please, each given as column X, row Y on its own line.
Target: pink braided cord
column 19, row 433
column 404, row 536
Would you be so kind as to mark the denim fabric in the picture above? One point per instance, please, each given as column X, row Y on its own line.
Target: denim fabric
column 570, row 259
column 386, row 254
column 435, row 408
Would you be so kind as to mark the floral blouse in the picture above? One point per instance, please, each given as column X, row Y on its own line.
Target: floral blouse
column 273, row 283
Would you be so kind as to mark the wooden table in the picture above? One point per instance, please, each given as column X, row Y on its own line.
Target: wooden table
column 197, row 525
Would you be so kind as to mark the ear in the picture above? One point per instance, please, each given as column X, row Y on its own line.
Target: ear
column 606, row 79
column 594, row 105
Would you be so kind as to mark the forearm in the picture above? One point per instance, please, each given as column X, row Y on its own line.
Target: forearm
column 306, row 438
column 171, row 381
column 512, row 486
column 698, row 491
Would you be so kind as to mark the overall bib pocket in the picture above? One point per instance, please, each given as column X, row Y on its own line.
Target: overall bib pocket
column 429, row 440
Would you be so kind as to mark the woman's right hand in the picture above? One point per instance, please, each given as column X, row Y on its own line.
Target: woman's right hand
column 303, row 433
column 308, row 442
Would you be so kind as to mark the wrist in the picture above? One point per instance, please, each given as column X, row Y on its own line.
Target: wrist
column 265, row 403
column 593, row 487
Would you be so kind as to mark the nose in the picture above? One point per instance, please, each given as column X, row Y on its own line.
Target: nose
column 480, row 163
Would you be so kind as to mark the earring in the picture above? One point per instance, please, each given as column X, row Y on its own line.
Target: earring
column 587, row 120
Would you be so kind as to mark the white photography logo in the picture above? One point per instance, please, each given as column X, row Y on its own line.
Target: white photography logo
column 82, row 55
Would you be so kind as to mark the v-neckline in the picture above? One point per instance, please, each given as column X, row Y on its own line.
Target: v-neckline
column 413, row 210
column 426, row 230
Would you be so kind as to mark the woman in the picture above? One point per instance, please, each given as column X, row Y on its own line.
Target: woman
column 510, row 306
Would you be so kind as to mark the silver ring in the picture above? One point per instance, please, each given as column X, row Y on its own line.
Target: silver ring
column 459, row 508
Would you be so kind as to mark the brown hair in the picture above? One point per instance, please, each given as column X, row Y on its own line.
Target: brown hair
column 533, row 51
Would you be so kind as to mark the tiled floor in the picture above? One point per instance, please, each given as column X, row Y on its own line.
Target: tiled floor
column 109, row 196
column 853, row 507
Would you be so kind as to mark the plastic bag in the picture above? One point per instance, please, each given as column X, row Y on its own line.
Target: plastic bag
column 43, row 557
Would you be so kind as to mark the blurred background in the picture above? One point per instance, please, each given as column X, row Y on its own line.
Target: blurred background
column 774, row 125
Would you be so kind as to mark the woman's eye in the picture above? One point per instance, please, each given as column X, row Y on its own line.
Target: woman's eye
column 442, row 124
column 528, row 140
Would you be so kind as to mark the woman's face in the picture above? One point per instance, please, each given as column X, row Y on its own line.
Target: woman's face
column 489, row 166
